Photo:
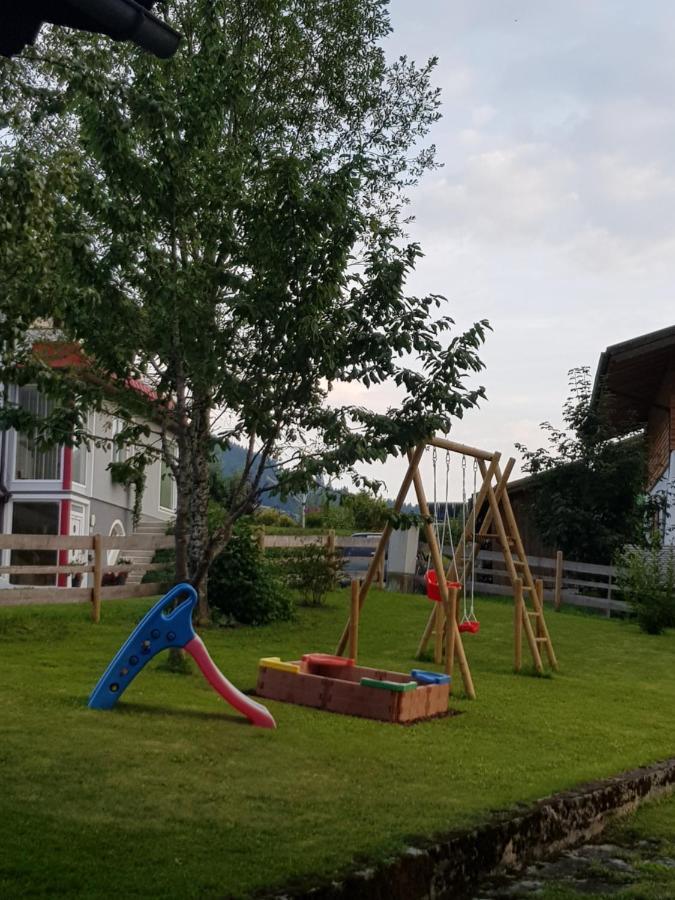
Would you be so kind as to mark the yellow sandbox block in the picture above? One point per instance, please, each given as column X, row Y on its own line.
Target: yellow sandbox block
column 275, row 662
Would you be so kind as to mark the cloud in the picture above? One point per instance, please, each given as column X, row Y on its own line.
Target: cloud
column 554, row 213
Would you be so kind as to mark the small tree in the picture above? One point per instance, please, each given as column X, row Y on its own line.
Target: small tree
column 370, row 512
column 646, row 579
column 589, row 488
column 313, row 572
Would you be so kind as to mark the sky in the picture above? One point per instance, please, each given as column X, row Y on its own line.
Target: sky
column 553, row 215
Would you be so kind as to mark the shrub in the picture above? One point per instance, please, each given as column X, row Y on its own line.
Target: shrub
column 274, row 517
column 313, row 571
column 646, row 578
column 314, row 520
column 243, row 585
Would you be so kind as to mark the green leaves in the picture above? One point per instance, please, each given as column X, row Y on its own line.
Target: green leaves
column 587, row 495
column 230, row 227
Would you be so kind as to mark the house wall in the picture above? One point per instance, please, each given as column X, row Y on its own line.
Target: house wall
column 522, row 502
column 660, row 430
column 100, row 496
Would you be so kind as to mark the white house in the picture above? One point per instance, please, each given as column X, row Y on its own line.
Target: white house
column 66, row 490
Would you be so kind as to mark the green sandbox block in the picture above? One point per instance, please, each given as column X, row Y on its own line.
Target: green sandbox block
column 399, row 686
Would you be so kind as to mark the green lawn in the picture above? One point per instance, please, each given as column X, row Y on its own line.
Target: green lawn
column 171, row 795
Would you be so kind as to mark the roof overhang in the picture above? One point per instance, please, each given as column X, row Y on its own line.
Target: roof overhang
column 631, row 373
column 122, row 20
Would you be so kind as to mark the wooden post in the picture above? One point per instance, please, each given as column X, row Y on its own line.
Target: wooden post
column 539, row 586
column 450, row 632
column 261, row 538
column 518, row 613
column 438, row 633
column 98, row 578
column 330, row 541
column 354, row 613
column 557, row 600
column 380, row 575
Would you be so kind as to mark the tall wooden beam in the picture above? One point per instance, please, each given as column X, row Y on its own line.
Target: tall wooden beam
column 455, row 646
column 414, row 458
column 453, row 573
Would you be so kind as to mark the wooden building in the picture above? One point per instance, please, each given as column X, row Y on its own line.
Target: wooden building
column 636, row 380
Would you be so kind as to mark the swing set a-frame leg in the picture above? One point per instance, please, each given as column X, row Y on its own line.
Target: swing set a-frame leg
column 414, row 458
column 454, row 646
column 453, row 573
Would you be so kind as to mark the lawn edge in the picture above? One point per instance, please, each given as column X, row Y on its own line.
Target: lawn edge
column 450, row 866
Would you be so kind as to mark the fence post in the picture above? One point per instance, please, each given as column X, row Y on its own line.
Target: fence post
column 330, row 541
column 539, row 585
column 438, row 632
column 98, row 577
column 557, row 600
column 261, row 538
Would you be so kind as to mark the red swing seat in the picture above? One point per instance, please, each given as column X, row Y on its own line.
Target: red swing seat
column 469, row 627
column 432, row 586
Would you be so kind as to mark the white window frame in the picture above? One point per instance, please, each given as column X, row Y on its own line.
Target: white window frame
column 174, row 497
column 117, row 454
column 29, row 484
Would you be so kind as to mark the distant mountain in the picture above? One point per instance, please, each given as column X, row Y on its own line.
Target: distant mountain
column 233, row 460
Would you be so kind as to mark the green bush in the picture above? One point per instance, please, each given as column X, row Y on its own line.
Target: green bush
column 314, row 520
column 243, row 585
column 646, row 578
column 274, row 517
column 313, row 571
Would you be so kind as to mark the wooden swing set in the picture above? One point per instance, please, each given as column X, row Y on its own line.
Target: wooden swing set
column 490, row 517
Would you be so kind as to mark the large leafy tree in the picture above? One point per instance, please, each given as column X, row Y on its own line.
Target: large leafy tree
column 230, row 225
column 588, row 491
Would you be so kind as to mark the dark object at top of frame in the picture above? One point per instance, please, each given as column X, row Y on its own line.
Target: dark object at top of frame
column 122, row 20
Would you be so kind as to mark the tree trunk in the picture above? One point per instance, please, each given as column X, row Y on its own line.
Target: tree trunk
column 198, row 540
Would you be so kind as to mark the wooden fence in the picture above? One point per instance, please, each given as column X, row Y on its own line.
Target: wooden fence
column 356, row 551
column 585, row 585
column 96, row 546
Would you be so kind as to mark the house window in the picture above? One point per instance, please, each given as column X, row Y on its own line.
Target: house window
column 167, row 489
column 80, row 464
column 34, row 518
column 33, row 464
column 117, row 453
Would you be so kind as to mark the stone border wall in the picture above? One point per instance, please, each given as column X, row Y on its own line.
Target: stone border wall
column 450, row 867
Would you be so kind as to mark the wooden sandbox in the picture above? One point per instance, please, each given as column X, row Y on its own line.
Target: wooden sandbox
column 335, row 686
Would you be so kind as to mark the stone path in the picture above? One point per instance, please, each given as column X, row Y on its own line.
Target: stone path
column 600, row 870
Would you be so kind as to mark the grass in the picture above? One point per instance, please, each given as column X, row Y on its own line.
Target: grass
column 173, row 796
